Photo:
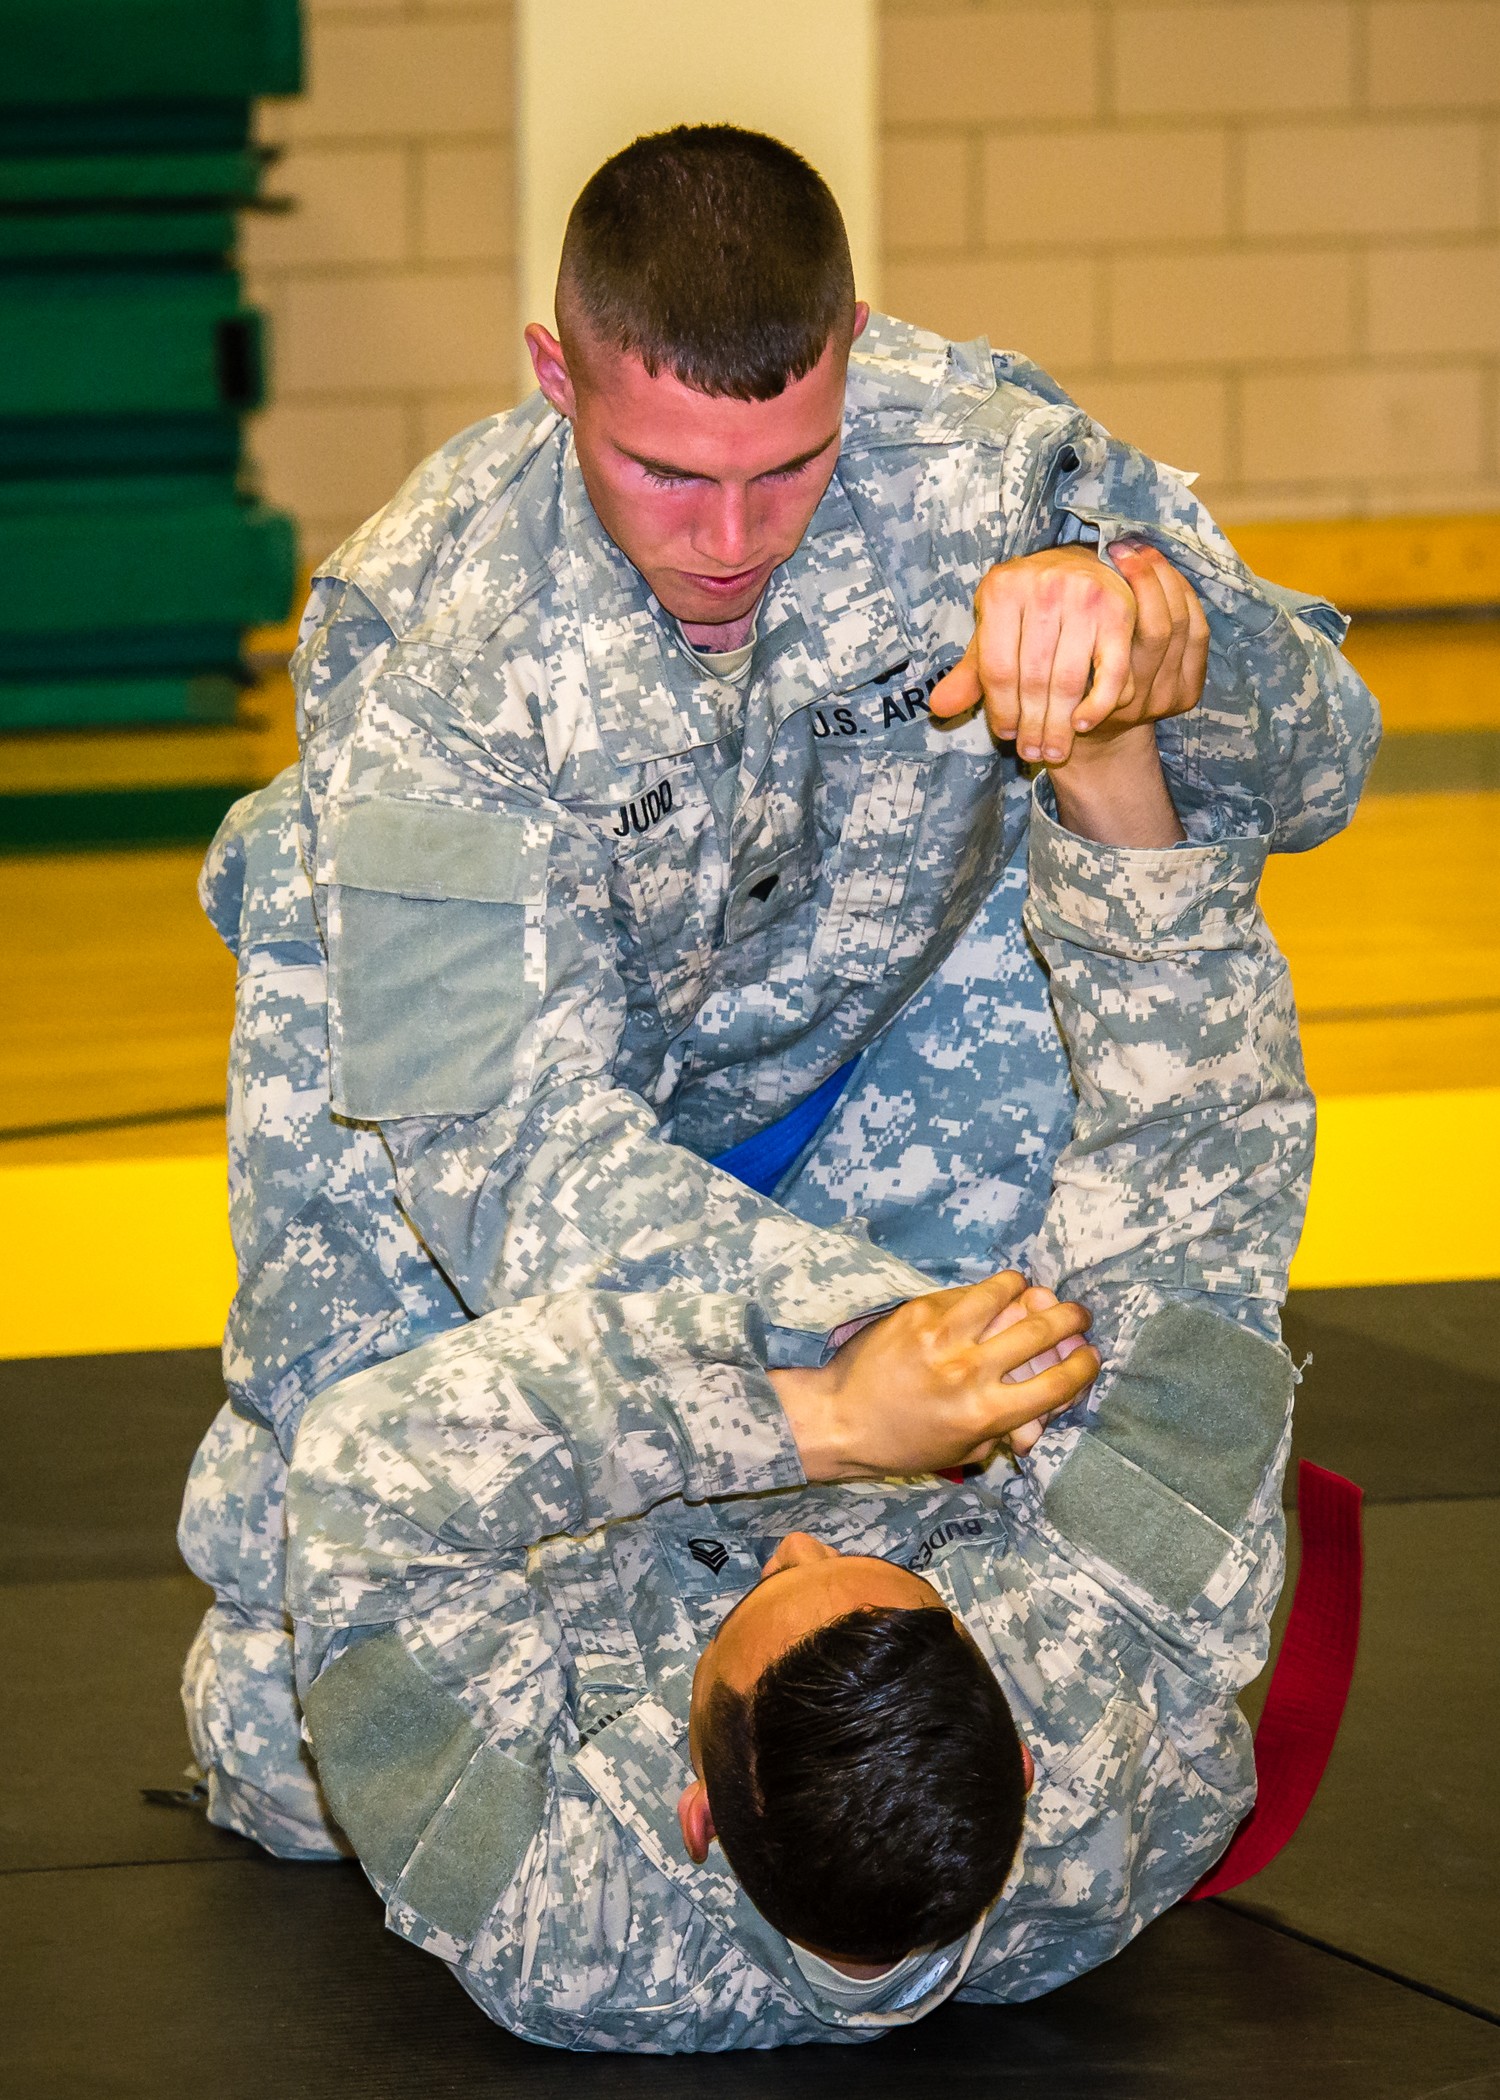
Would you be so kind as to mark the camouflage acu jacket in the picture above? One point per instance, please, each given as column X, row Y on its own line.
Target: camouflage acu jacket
column 579, row 896
column 508, row 1547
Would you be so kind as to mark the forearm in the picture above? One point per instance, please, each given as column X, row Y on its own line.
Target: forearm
column 1115, row 792
column 544, row 1419
column 1174, row 1215
column 580, row 1191
column 1192, row 1142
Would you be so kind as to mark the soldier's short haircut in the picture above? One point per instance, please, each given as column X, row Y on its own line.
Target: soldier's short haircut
column 869, row 1789
column 712, row 253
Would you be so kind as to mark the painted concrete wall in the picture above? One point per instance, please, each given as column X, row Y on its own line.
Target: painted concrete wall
column 1260, row 237
column 593, row 74
column 391, row 288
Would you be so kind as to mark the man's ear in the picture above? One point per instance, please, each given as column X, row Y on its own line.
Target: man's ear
column 551, row 369
column 861, row 320
column 1028, row 1767
column 695, row 1821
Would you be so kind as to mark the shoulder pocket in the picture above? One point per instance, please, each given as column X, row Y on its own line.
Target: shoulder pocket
column 437, row 950
column 1165, row 1476
column 440, row 1819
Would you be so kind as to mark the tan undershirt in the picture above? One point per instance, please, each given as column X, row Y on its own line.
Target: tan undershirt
column 853, row 1993
column 730, row 664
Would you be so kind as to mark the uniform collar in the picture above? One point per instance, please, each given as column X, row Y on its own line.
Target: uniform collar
column 828, row 623
column 650, row 699
column 637, row 1767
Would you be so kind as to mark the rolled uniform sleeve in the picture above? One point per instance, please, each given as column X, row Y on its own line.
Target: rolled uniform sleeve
column 1175, row 1212
column 1285, row 721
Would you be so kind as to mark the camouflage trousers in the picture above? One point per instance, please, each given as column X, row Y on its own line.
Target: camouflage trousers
column 943, row 1141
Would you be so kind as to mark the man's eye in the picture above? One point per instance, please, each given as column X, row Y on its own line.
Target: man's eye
column 666, row 481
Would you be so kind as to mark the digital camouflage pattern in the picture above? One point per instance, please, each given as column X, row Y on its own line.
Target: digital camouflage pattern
column 586, row 915
column 579, row 896
column 509, row 1546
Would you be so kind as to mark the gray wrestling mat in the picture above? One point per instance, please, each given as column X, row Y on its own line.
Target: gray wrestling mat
column 144, row 1954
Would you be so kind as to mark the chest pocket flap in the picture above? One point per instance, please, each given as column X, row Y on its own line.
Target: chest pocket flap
column 671, row 883
column 437, row 952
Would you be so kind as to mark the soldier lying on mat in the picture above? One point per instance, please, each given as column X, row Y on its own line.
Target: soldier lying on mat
column 671, row 1700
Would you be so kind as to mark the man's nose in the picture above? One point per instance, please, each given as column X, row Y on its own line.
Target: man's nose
column 797, row 1547
column 724, row 534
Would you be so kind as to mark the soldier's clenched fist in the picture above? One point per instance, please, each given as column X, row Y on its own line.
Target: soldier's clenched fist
column 1066, row 644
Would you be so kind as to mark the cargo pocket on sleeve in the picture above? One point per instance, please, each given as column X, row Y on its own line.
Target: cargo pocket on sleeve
column 437, row 950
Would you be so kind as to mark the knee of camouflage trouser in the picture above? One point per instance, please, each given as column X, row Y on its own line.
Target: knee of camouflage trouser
column 232, row 1530
column 245, row 1728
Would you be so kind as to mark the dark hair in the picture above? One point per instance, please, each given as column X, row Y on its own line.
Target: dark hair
column 715, row 254
column 868, row 1790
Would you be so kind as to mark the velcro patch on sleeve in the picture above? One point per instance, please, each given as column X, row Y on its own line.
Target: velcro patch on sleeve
column 1166, row 1474
column 470, row 1855
column 431, row 849
column 435, row 1814
column 437, row 957
column 389, row 1744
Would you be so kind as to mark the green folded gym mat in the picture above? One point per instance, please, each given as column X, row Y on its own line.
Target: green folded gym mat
column 133, row 557
column 76, row 576
column 125, row 50
column 110, row 236
column 127, row 343
column 80, row 178
column 56, row 448
column 109, row 703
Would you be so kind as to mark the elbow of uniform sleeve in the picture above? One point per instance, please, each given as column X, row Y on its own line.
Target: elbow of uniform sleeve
column 1170, row 1488
column 1133, row 900
column 715, row 1380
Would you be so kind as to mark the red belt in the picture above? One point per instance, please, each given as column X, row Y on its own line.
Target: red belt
column 1310, row 1682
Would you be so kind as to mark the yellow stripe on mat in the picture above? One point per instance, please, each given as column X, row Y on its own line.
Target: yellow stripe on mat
column 1404, row 1190
column 117, row 1254
column 98, row 1255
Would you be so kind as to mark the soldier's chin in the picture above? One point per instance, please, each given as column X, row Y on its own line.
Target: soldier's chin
column 686, row 598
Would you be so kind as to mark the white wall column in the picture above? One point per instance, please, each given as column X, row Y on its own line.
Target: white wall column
column 595, row 73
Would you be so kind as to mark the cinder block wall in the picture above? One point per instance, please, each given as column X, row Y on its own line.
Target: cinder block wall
column 391, row 288
column 1260, row 238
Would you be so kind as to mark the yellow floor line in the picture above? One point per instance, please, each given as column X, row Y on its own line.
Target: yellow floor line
column 1390, row 563
column 124, row 1254
column 99, row 1255
column 1404, row 1191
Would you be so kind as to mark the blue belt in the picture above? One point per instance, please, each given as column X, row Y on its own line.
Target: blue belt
column 761, row 1160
